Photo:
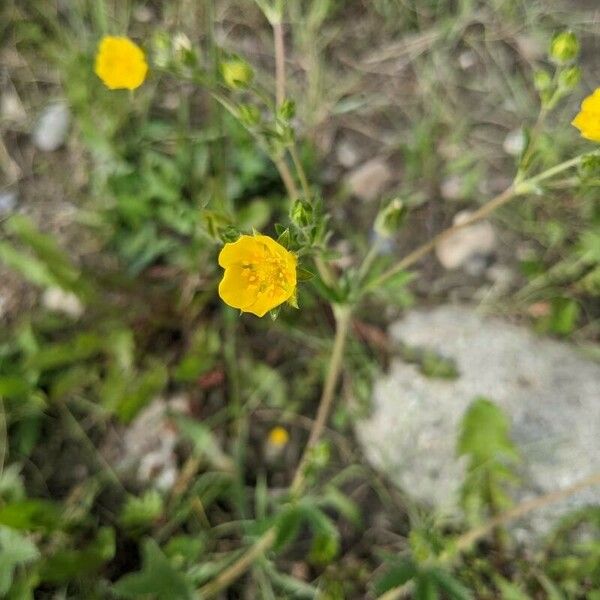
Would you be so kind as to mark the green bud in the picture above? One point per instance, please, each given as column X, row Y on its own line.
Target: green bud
column 287, row 110
column 390, row 219
column 569, row 78
column 249, row 115
column 301, row 213
column 161, row 49
column 564, row 47
column 542, row 80
column 236, row 73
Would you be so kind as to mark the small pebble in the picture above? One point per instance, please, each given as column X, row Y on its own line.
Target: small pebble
column 8, row 202
column 51, row 129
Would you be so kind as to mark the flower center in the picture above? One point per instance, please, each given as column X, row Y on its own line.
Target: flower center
column 265, row 273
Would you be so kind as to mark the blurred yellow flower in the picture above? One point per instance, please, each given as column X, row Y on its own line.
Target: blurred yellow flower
column 588, row 119
column 260, row 274
column 120, row 63
column 278, row 437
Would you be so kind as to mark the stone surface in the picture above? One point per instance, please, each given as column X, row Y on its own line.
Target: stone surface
column 8, row 202
column 147, row 447
column 52, row 126
column 514, row 142
column 369, row 180
column 58, row 300
column 468, row 247
column 347, row 154
column 550, row 392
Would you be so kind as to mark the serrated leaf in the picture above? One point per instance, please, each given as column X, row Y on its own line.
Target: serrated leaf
column 484, row 433
column 15, row 550
column 31, row 514
column 65, row 565
column 140, row 512
column 425, row 587
column 157, row 579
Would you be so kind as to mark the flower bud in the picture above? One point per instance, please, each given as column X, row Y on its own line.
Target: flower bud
column 301, row 213
column 278, row 437
column 390, row 219
column 564, row 47
column 569, row 78
column 542, row 80
column 249, row 115
column 287, row 110
column 237, row 74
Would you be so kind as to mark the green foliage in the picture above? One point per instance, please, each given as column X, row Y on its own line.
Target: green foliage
column 16, row 550
column 157, row 578
column 484, row 439
column 140, row 512
column 66, row 565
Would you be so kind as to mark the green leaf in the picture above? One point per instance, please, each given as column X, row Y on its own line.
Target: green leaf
column 205, row 443
column 426, row 587
column 15, row 550
column 484, row 433
column 453, row 588
column 254, row 215
column 324, row 548
column 143, row 511
column 287, row 524
column 29, row 267
column 81, row 347
column 48, row 252
column 395, row 575
column 342, row 503
column 31, row 514
column 157, row 579
column 66, row 565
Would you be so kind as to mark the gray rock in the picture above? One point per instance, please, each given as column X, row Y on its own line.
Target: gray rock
column 52, row 126
column 347, row 154
column 548, row 390
column 369, row 180
column 514, row 142
column 8, row 202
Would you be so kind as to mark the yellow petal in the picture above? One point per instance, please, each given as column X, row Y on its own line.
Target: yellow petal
column 237, row 252
column 235, row 291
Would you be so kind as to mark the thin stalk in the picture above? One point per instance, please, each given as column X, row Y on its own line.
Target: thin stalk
column 489, row 207
column 301, row 173
column 279, row 63
column 286, row 177
column 342, row 320
column 266, row 541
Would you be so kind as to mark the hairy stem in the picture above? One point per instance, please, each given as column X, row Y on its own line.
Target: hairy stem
column 489, row 207
column 342, row 321
column 279, row 63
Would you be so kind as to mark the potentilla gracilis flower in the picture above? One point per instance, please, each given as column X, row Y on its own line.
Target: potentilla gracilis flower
column 120, row 63
column 260, row 274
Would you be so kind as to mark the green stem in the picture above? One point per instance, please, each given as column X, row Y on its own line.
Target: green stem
column 514, row 190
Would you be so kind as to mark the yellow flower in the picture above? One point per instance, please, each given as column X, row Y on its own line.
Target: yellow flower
column 588, row 119
column 278, row 437
column 260, row 274
column 120, row 63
